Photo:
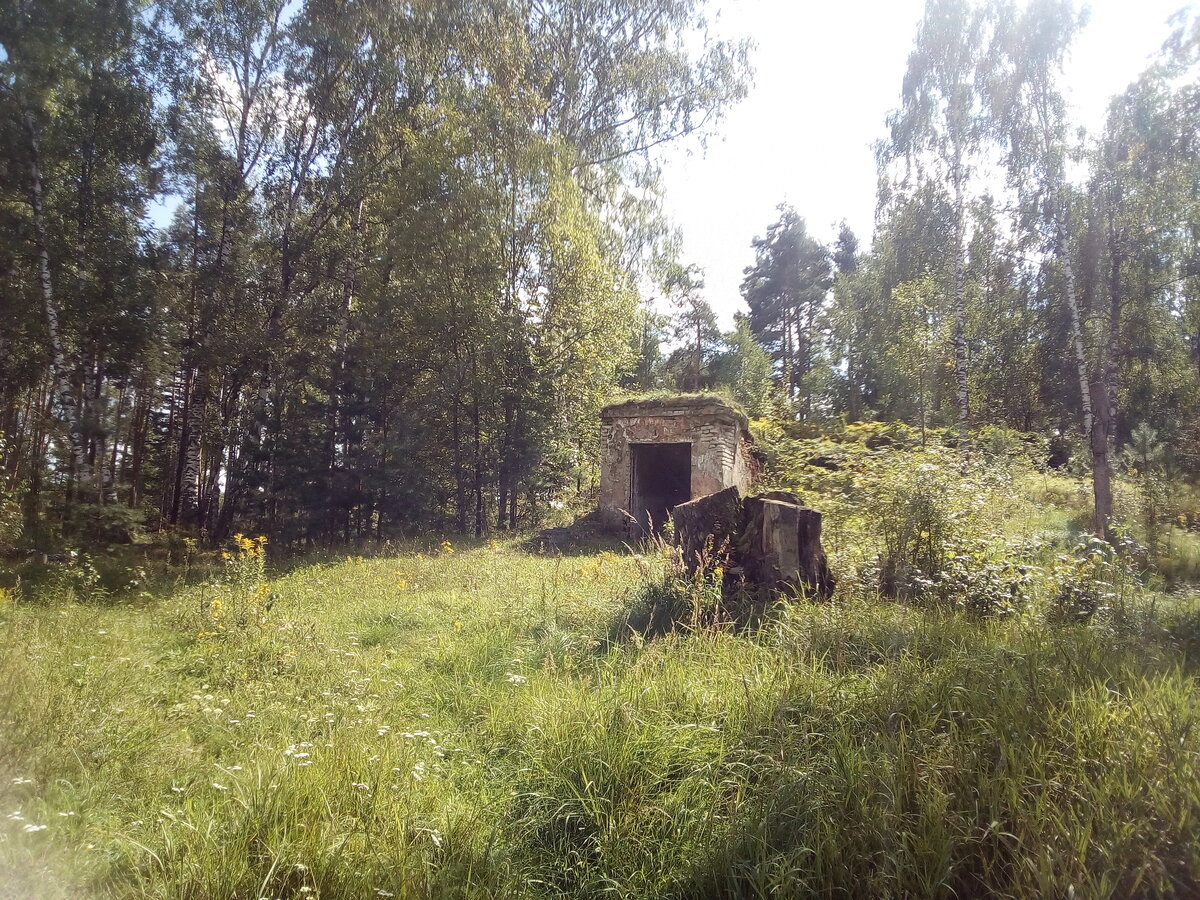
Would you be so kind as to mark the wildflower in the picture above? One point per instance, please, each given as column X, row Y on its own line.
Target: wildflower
column 21, row 780
column 515, row 679
column 220, row 787
column 447, row 547
column 31, row 827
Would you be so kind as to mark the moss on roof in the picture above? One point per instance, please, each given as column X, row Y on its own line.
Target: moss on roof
column 671, row 397
column 646, row 404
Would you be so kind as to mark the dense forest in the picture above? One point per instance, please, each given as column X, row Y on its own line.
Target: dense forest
column 337, row 269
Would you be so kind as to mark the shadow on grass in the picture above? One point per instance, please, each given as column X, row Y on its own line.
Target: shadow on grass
column 660, row 608
column 587, row 544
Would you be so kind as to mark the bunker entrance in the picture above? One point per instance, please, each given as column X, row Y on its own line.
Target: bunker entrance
column 660, row 480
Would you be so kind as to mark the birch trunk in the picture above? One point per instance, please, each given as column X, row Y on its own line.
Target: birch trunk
column 960, row 313
column 189, row 489
column 337, row 375
column 64, row 393
column 196, row 397
column 1081, row 364
column 480, row 514
column 110, row 479
column 1106, row 398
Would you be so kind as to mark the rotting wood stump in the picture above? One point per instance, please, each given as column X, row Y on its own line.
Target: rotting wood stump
column 707, row 527
column 780, row 549
column 768, row 545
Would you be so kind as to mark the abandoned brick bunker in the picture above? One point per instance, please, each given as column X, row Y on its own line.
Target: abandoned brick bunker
column 656, row 454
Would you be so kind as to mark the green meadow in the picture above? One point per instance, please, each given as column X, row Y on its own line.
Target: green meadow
column 493, row 719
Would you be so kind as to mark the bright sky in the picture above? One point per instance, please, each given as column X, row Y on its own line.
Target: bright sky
column 827, row 74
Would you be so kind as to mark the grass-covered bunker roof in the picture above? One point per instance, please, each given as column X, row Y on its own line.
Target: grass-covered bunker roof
column 672, row 405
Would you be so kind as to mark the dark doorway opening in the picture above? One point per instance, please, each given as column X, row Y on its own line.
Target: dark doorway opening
column 660, row 480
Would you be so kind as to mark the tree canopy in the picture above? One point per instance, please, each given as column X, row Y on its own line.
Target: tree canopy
column 402, row 271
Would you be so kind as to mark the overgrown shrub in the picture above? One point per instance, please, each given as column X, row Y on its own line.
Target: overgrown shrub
column 986, row 583
column 671, row 598
column 998, row 444
column 1178, row 559
column 71, row 577
column 107, row 524
column 916, row 526
column 1095, row 579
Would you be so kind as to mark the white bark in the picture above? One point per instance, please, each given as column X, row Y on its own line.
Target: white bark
column 960, row 313
column 189, row 488
column 64, row 393
column 1081, row 362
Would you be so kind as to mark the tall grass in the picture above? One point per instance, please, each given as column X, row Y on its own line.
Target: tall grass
column 461, row 722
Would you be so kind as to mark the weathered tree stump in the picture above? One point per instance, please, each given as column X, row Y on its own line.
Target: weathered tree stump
column 781, row 496
column 706, row 526
column 768, row 545
column 780, row 549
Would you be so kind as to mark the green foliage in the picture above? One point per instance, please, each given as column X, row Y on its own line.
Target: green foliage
column 745, row 369
column 11, row 526
column 986, row 582
column 984, row 529
column 107, row 524
column 475, row 720
column 785, row 290
column 401, row 274
column 919, row 341
column 1095, row 579
column 997, row 442
column 77, row 579
column 917, row 525
column 242, row 598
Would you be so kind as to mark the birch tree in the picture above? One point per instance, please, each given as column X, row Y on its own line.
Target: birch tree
column 1029, row 113
column 74, row 91
column 938, row 131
